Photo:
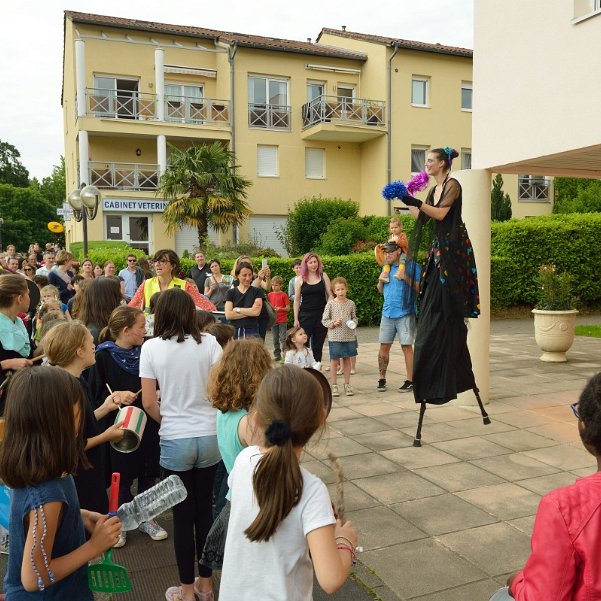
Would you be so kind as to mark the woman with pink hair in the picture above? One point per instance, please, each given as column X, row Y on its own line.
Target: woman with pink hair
column 311, row 293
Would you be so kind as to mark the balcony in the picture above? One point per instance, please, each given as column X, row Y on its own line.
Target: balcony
column 337, row 118
column 120, row 104
column 269, row 116
column 531, row 188
column 182, row 109
column 132, row 105
column 124, row 176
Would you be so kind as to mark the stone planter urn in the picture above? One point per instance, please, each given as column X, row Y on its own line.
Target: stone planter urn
column 554, row 333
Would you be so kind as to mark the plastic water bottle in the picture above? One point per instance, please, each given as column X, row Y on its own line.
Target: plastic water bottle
column 152, row 502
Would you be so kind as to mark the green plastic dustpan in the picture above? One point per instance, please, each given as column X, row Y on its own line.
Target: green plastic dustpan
column 106, row 576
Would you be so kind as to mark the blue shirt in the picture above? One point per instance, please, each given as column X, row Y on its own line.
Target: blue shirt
column 69, row 536
column 397, row 302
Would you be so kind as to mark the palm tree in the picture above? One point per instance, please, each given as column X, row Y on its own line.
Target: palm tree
column 203, row 189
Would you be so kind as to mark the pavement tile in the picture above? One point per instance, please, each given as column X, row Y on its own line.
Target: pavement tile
column 321, row 470
column 525, row 419
column 495, row 548
column 473, row 447
column 360, row 425
column 514, row 466
column 405, row 419
column 375, row 409
column 505, row 501
column 421, row 567
column 379, row 527
column 561, row 413
column 558, row 431
column 366, row 464
column 401, row 486
column 458, row 476
column 520, row 440
column 354, row 497
column 450, row 413
column 442, row 514
column 475, row 427
column 383, row 441
column 525, row 524
column 339, row 446
column 583, row 472
column 564, row 456
column 413, row 457
column 475, row 591
column 435, row 432
column 341, row 413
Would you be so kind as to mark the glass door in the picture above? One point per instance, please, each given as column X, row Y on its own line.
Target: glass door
column 133, row 229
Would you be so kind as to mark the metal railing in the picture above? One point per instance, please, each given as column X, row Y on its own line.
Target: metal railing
column 120, row 104
column 533, row 188
column 123, row 176
column 270, row 116
column 185, row 109
column 324, row 109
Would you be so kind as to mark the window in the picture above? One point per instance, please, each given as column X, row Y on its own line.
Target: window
column 184, row 103
column 315, row 89
column 533, row 188
column 113, row 97
column 268, row 103
column 315, row 159
column 267, row 161
column 418, row 159
column 466, row 95
column 419, row 90
column 466, row 158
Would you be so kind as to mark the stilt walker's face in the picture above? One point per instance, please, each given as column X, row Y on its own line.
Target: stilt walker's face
column 433, row 165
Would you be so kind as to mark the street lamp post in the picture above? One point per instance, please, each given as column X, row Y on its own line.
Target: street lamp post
column 84, row 202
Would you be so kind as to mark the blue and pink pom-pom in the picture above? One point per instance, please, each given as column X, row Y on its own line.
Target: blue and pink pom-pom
column 398, row 189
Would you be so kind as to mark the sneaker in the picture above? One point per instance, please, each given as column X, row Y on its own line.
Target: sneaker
column 335, row 390
column 339, row 372
column 381, row 385
column 153, row 530
column 384, row 277
column 348, row 390
column 122, row 540
column 407, row 386
column 353, row 372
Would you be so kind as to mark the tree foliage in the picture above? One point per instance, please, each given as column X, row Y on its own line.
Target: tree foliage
column 12, row 170
column 203, row 189
column 26, row 214
column 500, row 202
column 577, row 195
column 53, row 188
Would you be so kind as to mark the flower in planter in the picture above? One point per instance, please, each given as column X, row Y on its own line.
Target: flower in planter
column 554, row 289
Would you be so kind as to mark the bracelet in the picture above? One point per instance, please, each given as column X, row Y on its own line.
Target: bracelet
column 350, row 550
column 346, row 540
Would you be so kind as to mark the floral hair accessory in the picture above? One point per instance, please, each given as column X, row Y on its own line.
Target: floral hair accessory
column 448, row 151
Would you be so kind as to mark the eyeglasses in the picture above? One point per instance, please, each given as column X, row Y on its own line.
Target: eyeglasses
column 28, row 269
column 163, row 261
column 574, row 407
column 132, row 260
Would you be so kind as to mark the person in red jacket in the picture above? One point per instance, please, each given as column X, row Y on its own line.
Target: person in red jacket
column 565, row 561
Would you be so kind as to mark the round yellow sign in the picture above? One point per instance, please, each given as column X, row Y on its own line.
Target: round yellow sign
column 55, row 227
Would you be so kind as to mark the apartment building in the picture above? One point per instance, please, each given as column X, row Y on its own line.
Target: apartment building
column 338, row 117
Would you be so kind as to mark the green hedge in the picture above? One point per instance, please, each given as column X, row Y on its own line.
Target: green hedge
column 571, row 242
column 100, row 252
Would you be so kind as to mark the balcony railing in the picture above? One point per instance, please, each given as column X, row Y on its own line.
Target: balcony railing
column 533, row 188
column 269, row 116
column 123, row 176
column 184, row 109
column 352, row 111
column 120, row 104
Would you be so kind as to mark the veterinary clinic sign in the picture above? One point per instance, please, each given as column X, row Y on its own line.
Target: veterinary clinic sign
column 133, row 206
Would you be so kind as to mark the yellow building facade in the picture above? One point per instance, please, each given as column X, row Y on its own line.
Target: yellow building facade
column 339, row 118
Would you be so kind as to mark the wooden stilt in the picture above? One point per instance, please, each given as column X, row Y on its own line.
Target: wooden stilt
column 485, row 418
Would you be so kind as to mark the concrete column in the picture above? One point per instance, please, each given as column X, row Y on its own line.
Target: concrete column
column 162, row 154
column 80, row 76
column 84, row 167
column 159, row 82
column 476, row 187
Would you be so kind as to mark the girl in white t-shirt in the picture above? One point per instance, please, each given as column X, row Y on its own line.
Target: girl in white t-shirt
column 297, row 352
column 283, row 527
column 178, row 361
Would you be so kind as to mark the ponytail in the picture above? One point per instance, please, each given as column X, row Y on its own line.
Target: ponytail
column 289, row 407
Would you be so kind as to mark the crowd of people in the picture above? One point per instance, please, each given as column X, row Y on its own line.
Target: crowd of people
column 226, row 418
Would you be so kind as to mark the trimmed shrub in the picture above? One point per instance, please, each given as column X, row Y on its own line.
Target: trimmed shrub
column 100, row 252
column 309, row 219
column 341, row 235
column 570, row 242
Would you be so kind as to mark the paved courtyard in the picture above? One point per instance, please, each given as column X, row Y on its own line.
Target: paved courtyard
column 448, row 521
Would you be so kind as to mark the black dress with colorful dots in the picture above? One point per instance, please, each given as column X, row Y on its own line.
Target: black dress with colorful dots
column 442, row 365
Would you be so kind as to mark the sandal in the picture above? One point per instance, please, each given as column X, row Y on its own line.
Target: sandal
column 203, row 595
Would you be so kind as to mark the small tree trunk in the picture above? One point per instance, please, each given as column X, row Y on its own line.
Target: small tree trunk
column 203, row 234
